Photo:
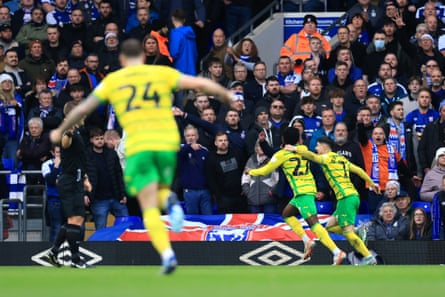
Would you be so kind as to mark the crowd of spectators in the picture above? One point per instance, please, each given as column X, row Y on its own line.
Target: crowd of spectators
column 376, row 88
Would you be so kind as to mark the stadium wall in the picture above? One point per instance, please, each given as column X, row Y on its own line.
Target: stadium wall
column 221, row 253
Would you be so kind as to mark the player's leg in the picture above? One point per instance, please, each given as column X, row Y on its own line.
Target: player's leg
column 142, row 178
column 289, row 212
column 332, row 225
column 347, row 212
column 308, row 211
column 167, row 199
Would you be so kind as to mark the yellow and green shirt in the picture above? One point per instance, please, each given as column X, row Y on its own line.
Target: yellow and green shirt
column 142, row 99
column 295, row 168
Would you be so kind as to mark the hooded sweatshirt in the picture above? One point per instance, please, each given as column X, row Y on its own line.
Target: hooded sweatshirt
column 183, row 49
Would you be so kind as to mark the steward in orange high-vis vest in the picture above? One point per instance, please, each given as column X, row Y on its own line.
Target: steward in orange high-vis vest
column 297, row 45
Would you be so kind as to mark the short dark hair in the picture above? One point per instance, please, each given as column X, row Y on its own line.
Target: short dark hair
column 131, row 48
column 306, row 100
column 394, row 104
column 214, row 60
column 291, row 135
column 179, row 15
column 327, row 140
column 271, row 78
column 76, row 87
column 96, row 131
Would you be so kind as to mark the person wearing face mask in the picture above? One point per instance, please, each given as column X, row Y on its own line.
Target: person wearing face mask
column 376, row 52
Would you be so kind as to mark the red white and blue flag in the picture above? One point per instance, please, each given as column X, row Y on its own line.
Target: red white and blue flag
column 229, row 227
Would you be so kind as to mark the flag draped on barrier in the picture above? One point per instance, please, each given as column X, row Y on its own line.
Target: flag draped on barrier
column 229, row 227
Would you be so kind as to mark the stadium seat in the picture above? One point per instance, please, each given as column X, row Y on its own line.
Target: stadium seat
column 363, row 208
column 422, row 204
column 324, row 207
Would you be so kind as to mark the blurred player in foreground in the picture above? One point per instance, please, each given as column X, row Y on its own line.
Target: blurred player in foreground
column 297, row 172
column 142, row 97
column 337, row 169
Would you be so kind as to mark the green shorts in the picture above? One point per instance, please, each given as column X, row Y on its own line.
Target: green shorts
column 346, row 211
column 149, row 167
column 305, row 205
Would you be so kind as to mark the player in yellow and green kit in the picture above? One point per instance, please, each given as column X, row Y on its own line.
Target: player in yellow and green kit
column 297, row 172
column 142, row 99
column 336, row 169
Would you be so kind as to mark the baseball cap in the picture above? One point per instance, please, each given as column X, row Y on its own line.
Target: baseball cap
column 402, row 194
column 235, row 83
column 310, row 18
column 390, row 2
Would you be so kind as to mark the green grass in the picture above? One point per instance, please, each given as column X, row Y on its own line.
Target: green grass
column 227, row 281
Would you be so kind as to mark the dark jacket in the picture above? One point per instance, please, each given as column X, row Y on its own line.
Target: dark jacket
column 397, row 230
column 191, row 166
column 32, row 151
column 51, row 120
column 432, row 139
column 34, row 68
column 115, row 171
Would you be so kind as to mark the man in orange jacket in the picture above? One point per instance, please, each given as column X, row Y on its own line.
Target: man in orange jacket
column 297, row 45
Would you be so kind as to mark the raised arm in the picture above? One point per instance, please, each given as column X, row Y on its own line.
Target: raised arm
column 205, row 85
column 363, row 175
column 79, row 112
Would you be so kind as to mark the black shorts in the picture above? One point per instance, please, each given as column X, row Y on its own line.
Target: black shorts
column 71, row 194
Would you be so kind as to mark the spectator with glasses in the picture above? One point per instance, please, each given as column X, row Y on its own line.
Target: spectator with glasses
column 420, row 226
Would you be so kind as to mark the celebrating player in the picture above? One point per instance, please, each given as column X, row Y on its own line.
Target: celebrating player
column 301, row 180
column 336, row 169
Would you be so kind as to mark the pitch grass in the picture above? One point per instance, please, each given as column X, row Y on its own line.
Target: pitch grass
column 227, row 281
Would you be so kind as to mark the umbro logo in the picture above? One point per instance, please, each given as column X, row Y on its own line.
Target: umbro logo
column 273, row 253
column 64, row 256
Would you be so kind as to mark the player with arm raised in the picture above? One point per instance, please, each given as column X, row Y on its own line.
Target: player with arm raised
column 142, row 98
column 297, row 172
column 336, row 169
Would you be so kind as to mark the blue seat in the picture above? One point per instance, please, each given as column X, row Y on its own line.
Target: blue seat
column 326, row 207
column 426, row 206
column 363, row 208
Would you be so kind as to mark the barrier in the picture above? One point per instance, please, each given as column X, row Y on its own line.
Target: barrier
column 22, row 199
column 225, row 253
column 6, row 202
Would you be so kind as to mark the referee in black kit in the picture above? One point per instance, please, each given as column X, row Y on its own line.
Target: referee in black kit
column 71, row 184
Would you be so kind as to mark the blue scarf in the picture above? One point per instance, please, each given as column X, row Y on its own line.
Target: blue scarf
column 397, row 137
column 392, row 163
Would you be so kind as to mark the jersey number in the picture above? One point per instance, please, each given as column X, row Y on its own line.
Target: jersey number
column 134, row 105
column 345, row 173
column 297, row 171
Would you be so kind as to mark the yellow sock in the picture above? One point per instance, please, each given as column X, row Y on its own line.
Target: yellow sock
column 156, row 229
column 163, row 194
column 357, row 243
column 335, row 229
column 295, row 225
column 324, row 237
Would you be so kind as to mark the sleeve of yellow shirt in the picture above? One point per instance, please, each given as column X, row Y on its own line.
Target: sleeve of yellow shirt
column 360, row 172
column 275, row 162
column 303, row 151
